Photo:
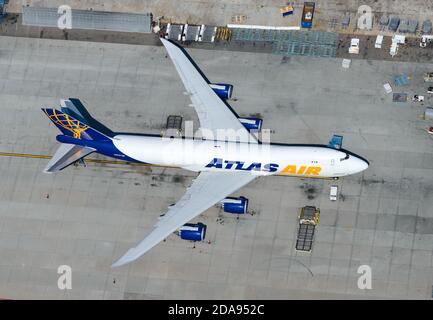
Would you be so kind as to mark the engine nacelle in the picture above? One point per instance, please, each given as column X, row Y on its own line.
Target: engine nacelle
column 223, row 90
column 193, row 231
column 252, row 124
column 235, row 205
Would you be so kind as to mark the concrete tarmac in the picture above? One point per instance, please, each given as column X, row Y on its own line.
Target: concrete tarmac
column 88, row 217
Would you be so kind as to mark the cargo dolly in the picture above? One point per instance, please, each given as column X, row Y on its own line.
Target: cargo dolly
column 308, row 220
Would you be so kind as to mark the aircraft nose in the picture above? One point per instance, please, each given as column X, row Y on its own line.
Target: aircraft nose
column 360, row 165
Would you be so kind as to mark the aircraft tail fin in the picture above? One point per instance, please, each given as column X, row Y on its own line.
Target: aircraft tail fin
column 74, row 108
column 78, row 126
column 74, row 121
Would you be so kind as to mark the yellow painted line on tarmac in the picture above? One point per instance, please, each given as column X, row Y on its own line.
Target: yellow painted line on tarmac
column 24, row 155
column 100, row 161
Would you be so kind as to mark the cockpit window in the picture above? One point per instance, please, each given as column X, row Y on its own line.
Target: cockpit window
column 346, row 157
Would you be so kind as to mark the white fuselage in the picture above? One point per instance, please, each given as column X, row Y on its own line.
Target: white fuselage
column 260, row 159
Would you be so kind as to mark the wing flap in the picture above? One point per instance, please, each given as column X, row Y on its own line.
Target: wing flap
column 206, row 190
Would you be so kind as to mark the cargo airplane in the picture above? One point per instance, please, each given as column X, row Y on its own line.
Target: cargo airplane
column 224, row 165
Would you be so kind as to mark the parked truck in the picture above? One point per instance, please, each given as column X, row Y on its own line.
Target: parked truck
column 307, row 15
column 428, row 77
column 333, row 193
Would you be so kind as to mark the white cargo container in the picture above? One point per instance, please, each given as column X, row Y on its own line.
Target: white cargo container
column 428, row 113
column 387, row 87
column 399, row 39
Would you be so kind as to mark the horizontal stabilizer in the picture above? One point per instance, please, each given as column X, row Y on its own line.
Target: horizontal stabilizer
column 66, row 155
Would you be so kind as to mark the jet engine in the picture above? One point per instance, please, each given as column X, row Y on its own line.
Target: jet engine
column 235, row 205
column 252, row 124
column 193, row 231
column 223, row 90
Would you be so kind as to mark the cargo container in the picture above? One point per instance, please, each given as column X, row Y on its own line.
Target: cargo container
column 287, row 10
column 399, row 97
column 394, row 22
column 428, row 113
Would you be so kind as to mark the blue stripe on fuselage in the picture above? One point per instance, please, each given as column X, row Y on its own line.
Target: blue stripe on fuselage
column 104, row 147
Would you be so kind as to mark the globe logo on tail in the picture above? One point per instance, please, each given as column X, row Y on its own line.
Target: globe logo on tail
column 68, row 123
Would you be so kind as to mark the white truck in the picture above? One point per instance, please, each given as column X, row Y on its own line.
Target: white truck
column 425, row 40
column 417, row 98
column 354, row 46
column 379, row 40
column 428, row 77
column 333, row 193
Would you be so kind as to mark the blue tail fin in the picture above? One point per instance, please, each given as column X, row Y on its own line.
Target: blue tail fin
column 78, row 129
column 74, row 108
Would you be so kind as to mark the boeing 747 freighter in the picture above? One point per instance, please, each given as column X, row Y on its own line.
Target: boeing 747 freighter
column 224, row 164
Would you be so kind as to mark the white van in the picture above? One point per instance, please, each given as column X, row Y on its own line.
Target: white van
column 333, row 194
column 379, row 40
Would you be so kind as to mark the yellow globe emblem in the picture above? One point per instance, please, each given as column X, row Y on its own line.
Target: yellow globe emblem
column 68, row 123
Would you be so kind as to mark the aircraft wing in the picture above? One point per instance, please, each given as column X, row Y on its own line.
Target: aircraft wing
column 206, row 190
column 213, row 112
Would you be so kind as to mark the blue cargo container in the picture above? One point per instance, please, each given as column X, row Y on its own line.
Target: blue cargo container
column 2, row 10
column 394, row 22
